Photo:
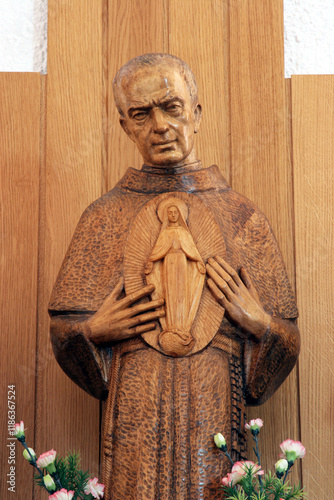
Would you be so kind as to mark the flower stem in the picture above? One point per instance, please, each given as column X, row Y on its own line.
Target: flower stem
column 33, row 463
column 287, row 472
column 229, row 457
column 56, row 478
column 257, row 451
column 258, row 456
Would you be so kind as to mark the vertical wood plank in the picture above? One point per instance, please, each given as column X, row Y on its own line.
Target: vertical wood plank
column 258, row 114
column 313, row 152
column 135, row 27
column 198, row 34
column 19, row 174
column 67, row 418
column 259, row 165
column 290, row 263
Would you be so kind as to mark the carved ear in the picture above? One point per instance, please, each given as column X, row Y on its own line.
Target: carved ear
column 198, row 116
column 125, row 127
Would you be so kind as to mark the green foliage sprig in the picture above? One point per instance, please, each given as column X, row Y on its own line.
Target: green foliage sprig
column 70, row 475
column 273, row 489
column 61, row 477
column 247, row 481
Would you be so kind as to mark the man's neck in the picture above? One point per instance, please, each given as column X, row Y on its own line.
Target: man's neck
column 173, row 169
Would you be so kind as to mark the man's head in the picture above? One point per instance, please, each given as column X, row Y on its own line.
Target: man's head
column 156, row 96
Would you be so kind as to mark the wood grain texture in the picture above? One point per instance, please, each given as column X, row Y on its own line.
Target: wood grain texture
column 67, row 418
column 19, row 173
column 135, row 27
column 176, row 279
column 259, row 164
column 313, row 152
column 258, row 114
column 198, row 34
column 132, row 440
column 88, row 42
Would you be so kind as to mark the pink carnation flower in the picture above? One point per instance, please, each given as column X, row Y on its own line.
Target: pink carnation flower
column 46, row 458
column 62, row 495
column 227, row 480
column 255, row 423
column 239, row 470
column 291, row 450
column 19, row 430
column 94, row 488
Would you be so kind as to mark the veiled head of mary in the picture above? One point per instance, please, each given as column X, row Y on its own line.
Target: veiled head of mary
column 173, row 213
column 173, row 210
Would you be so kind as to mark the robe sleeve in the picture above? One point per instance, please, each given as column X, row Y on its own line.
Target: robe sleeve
column 267, row 363
column 90, row 270
column 87, row 365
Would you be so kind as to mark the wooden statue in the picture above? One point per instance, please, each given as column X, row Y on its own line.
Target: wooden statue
column 173, row 302
column 178, row 277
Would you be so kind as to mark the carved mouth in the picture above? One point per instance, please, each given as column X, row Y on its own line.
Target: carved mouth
column 163, row 143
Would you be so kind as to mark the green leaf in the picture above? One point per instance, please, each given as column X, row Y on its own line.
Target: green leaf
column 273, row 489
column 71, row 476
column 38, row 480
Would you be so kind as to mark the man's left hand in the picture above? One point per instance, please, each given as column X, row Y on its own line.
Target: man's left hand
column 238, row 297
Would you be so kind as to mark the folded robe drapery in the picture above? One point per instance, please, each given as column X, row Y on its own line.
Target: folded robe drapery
column 164, row 411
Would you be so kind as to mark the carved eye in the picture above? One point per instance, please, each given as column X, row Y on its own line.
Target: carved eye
column 174, row 108
column 139, row 115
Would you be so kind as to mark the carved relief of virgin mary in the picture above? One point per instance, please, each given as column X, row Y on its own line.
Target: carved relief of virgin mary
column 177, row 271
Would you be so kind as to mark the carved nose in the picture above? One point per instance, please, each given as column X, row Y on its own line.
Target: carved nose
column 160, row 124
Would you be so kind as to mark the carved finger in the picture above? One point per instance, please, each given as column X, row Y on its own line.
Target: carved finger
column 143, row 318
column 220, row 282
column 123, row 332
column 138, row 330
column 217, row 293
column 248, row 283
column 146, row 307
column 223, row 274
column 245, row 277
column 118, row 288
column 133, row 297
column 232, row 272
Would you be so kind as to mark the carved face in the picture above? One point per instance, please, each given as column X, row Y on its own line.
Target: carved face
column 159, row 115
column 173, row 213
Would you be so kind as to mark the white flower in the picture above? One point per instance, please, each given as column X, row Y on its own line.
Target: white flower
column 19, row 430
column 49, row 483
column 254, row 425
column 62, row 495
column 291, row 450
column 239, row 471
column 220, row 441
column 26, row 455
column 94, row 488
column 281, row 467
column 46, row 461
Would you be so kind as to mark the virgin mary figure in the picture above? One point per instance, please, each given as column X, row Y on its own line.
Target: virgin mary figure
column 177, row 271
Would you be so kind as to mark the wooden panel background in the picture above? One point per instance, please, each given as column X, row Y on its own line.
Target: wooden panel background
column 71, row 180
column 259, row 164
column 62, row 147
column 19, row 205
column 313, row 153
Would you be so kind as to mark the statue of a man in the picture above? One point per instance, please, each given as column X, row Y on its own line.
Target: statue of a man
column 107, row 318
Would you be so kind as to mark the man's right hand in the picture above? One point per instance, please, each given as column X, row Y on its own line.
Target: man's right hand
column 120, row 319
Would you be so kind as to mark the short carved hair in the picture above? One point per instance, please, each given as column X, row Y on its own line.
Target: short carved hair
column 154, row 59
